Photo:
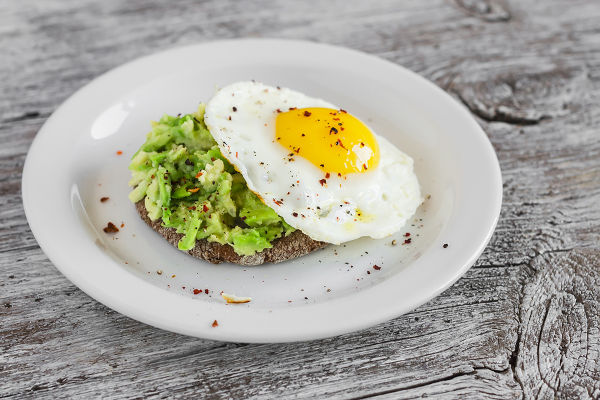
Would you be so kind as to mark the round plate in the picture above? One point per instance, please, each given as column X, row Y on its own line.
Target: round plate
column 76, row 159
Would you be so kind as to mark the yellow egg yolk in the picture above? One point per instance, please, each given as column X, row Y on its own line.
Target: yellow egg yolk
column 332, row 140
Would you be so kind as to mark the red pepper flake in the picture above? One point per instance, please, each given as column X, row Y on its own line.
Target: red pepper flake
column 445, row 245
column 199, row 174
column 323, row 182
column 197, row 291
column 344, row 111
column 204, row 208
column 376, row 267
column 119, row 152
column 104, row 199
column 236, row 154
column 122, row 225
column 292, row 108
column 111, row 228
column 278, row 111
column 307, row 113
column 215, row 324
column 229, row 118
column 339, row 143
column 369, row 272
column 407, row 234
column 212, row 159
column 193, row 190
column 295, row 214
column 407, row 241
column 183, row 287
column 365, row 166
column 206, row 291
column 327, row 175
column 297, row 150
column 277, row 202
column 335, row 119
column 333, row 130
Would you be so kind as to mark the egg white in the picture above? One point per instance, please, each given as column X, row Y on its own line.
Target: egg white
column 241, row 117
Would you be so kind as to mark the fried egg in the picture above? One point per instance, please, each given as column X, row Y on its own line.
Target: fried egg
column 318, row 166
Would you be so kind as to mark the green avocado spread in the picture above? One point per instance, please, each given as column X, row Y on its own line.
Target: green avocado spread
column 186, row 182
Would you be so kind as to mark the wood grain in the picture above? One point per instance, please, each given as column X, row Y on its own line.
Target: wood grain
column 523, row 323
column 560, row 327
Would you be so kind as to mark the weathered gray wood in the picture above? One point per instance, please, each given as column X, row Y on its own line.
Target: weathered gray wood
column 560, row 327
column 523, row 323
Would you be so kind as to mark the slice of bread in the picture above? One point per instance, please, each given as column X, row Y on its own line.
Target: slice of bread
column 294, row 245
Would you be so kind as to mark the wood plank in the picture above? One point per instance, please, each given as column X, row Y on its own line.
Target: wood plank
column 522, row 323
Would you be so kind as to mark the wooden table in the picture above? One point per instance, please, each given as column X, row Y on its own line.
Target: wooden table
column 523, row 322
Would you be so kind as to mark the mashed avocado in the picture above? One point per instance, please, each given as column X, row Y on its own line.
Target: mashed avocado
column 187, row 182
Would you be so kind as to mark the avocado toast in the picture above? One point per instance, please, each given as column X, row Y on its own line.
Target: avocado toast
column 192, row 196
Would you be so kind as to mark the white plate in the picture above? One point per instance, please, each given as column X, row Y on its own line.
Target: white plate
column 72, row 163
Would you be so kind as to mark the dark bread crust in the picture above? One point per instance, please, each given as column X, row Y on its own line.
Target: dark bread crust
column 294, row 245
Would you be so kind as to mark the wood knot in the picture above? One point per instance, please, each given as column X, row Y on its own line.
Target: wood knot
column 517, row 93
column 558, row 348
column 486, row 10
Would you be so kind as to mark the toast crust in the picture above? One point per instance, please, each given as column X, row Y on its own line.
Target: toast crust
column 294, row 245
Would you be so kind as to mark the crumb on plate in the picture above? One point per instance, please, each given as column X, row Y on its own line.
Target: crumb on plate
column 230, row 298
